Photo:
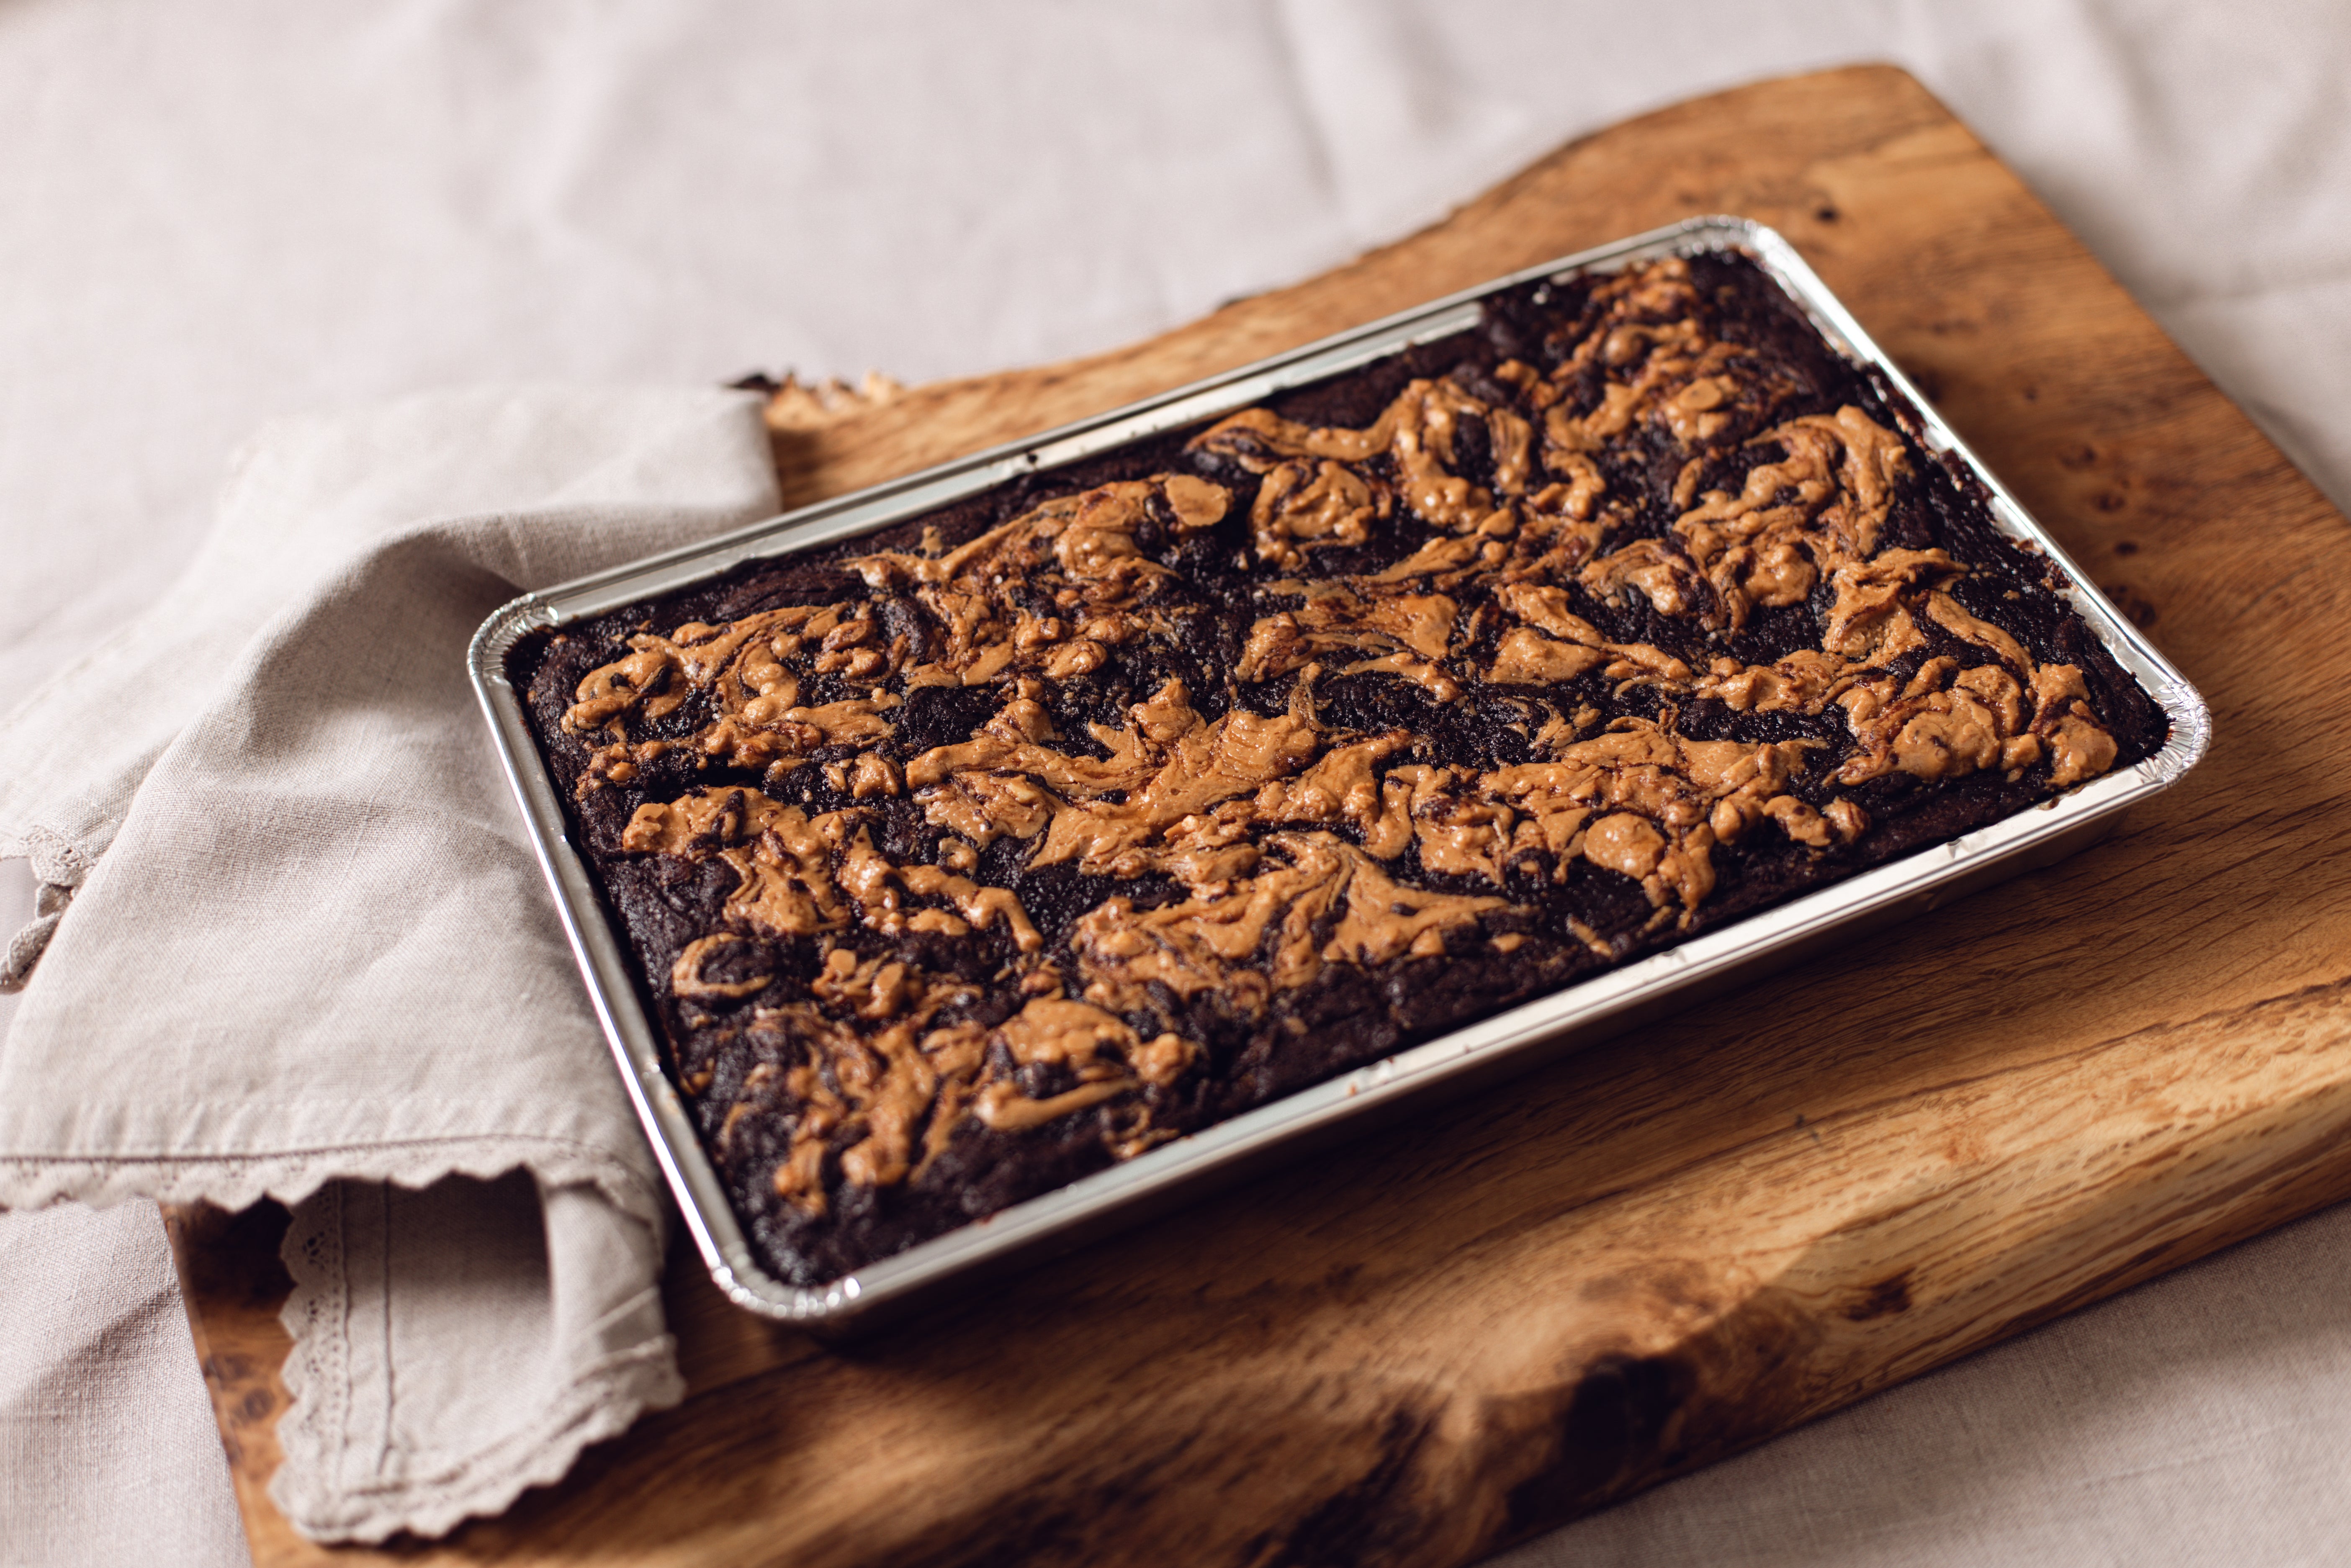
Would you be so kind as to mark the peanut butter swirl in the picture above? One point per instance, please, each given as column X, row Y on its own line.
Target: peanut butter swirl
column 1513, row 673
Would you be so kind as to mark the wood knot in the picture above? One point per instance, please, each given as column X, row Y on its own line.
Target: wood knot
column 1882, row 1300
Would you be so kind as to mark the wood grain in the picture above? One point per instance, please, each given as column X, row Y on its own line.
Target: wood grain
column 1428, row 1343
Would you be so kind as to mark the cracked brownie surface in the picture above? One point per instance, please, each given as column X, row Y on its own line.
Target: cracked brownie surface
column 969, row 857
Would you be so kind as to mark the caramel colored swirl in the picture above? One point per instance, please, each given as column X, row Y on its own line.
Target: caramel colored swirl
column 1682, row 620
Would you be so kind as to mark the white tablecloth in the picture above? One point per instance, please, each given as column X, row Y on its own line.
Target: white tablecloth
column 210, row 215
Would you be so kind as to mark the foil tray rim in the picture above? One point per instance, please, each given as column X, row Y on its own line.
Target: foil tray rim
column 1519, row 1037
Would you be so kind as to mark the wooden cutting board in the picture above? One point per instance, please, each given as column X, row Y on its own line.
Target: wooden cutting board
column 1442, row 1338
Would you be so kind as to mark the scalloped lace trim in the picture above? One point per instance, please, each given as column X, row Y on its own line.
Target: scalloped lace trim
column 601, row 1400
column 239, row 1182
column 61, row 866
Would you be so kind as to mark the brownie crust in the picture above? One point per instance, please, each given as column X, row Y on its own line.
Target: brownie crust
column 964, row 859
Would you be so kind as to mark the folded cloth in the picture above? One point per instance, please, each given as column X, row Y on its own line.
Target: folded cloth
column 293, row 942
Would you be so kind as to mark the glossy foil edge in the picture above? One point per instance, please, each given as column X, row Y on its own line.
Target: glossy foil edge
column 1519, row 1039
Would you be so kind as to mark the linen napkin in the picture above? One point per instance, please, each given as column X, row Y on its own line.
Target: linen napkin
column 292, row 940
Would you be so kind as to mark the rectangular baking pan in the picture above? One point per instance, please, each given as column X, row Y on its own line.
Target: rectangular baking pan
column 1510, row 1042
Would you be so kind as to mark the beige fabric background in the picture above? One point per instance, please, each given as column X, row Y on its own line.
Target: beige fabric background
column 209, row 216
column 290, row 813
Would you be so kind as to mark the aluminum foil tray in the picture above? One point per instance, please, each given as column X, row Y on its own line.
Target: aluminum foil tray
column 1510, row 1042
